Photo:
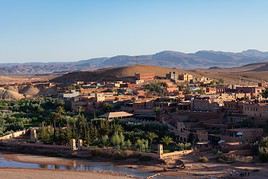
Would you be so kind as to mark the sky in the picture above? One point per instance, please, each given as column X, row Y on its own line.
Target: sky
column 70, row 30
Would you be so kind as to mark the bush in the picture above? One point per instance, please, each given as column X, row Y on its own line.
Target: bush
column 142, row 145
column 105, row 140
column 118, row 140
column 128, row 144
column 183, row 146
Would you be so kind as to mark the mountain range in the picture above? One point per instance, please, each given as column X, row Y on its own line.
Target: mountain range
column 174, row 59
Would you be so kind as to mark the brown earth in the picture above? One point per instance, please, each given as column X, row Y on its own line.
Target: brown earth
column 247, row 75
column 20, row 79
column 10, row 173
column 109, row 74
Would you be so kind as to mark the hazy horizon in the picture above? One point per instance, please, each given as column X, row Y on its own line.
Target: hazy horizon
column 66, row 30
column 76, row 60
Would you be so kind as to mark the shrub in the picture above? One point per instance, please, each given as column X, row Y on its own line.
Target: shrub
column 142, row 145
column 128, row 144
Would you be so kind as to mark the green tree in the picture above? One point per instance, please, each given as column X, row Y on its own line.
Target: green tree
column 128, row 144
column 142, row 145
column 105, row 140
column 92, row 134
column 117, row 128
column 122, row 139
column 57, row 119
column 104, row 127
column 157, row 88
column 45, row 134
column 166, row 140
column 139, row 144
column 151, row 136
column 81, row 126
column 265, row 93
column 115, row 140
column 2, row 126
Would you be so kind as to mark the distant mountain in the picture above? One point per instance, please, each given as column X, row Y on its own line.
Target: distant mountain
column 200, row 59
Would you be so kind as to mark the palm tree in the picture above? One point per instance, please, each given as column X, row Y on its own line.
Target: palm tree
column 117, row 128
column 151, row 136
column 166, row 140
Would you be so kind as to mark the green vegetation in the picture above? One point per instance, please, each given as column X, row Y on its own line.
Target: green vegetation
column 17, row 115
column 220, row 82
column 151, row 137
column 142, row 145
column 265, row 93
column 58, row 125
column 184, row 146
column 166, row 140
column 156, row 88
column 263, row 149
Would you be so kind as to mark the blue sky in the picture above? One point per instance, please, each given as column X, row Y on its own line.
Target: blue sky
column 67, row 30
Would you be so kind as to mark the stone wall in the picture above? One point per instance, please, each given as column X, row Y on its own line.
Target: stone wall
column 13, row 135
column 175, row 154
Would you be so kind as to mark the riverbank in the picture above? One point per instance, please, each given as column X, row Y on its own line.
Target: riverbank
column 14, row 173
column 36, row 162
column 119, row 168
column 134, row 166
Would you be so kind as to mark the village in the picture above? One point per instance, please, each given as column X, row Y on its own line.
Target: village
column 204, row 110
column 176, row 119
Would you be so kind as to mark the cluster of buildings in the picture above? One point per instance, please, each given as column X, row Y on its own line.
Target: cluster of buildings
column 199, row 110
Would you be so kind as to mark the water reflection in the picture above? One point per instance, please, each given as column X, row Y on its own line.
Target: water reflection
column 76, row 165
column 79, row 165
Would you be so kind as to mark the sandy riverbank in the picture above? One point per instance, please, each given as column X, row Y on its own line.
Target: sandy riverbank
column 10, row 173
column 192, row 170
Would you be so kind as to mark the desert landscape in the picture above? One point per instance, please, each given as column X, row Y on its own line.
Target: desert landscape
column 155, row 89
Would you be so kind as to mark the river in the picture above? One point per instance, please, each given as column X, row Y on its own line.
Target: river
column 8, row 160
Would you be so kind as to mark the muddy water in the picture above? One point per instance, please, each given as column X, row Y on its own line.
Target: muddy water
column 72, row 164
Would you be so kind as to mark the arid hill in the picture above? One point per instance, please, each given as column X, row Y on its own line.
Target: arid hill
column 20, row 79
column 6, row 94
column 109, row 74
column 29, row 91
column 247, row 74
column 254, row 67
